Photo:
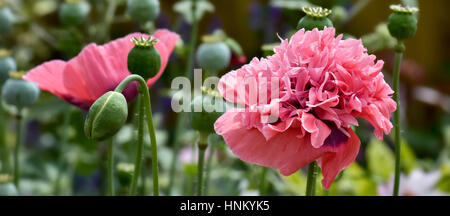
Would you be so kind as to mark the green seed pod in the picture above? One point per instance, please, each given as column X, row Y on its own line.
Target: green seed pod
column 213, row 56
column 212, row 108
column 143, row 10
column 7, row 64
column 19, row 92
column 106, row 116
column 125, row 173
column 7, row 188
column 6, row 19
column 315, row 18
column 144, row 59
column 402, row 23
column 74, row 12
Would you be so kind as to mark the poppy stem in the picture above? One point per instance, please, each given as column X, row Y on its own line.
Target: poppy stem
column 397, row 125
column 311, row 180
column 208, row 169
column 4, row 153
column 202, row 146
column 193, row 40
column 262, row 183
column 145, row 107
column 111, row 167
column 17, row 149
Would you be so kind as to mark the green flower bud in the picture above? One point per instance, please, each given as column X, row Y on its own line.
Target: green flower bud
column 402, row 23
column 19, row 92
column 144, row 59
column 125, row 173
column 143, row 10
column 74, row 12
column 106, row 116
column 212, row 108
column 7, row 188
column 315, row 18
column 213, row 55
column 6, row 19
column 7, row 64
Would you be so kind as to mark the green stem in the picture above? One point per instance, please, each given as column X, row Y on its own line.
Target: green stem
column 208, row 169
column 139, row 153
column 397, row 125
column 193, row 40
column 4, row 153
column 311, row 180
column 202, row 145
column 145, row 106
column 262, row 183
column 175, row 150
column 62, row 151
column 17, row 149
column 111, row 167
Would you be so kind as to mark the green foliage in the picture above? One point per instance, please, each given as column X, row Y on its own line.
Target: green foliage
column 380, row 160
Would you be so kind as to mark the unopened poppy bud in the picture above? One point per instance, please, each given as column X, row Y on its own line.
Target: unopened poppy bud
column 213, row 54
column 106, row 116
column 125, row 172
column 6, row 18
column 144, row 59
column 7, row 64
column 143, row 10
column 212, row 108
column 74, row 12
column 316, row 17
column 19, row 92
column 402, row 22
column 7, row 188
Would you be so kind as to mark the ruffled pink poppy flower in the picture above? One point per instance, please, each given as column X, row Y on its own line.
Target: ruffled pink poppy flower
column 97, row 70
column 323, row 83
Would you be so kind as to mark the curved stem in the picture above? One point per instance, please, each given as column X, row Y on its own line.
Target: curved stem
column 262, row 183
column 311, row 180
column 4, row 153
column 202, row 145
column 397, row 124
column 111, row 167
column 145, row 107
column 17, row 149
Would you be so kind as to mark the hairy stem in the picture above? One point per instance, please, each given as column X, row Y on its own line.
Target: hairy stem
column 397, row 123
column 311, row 180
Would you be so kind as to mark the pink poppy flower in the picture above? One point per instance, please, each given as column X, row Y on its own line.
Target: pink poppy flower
column 97, row 70
column 321, row 84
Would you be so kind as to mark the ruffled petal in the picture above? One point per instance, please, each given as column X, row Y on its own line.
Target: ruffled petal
column 334, row 162
column 286, row 151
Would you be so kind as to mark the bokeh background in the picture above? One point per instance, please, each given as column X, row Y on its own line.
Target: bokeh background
column 38, row 36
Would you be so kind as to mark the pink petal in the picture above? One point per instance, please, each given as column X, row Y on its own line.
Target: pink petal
column 48, row 77
column 285, row 151
column 319, row 130
column 334, row 162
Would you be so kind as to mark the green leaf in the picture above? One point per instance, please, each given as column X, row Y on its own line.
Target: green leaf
column 184, row 7
column 380, row 160
column 408, row 157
